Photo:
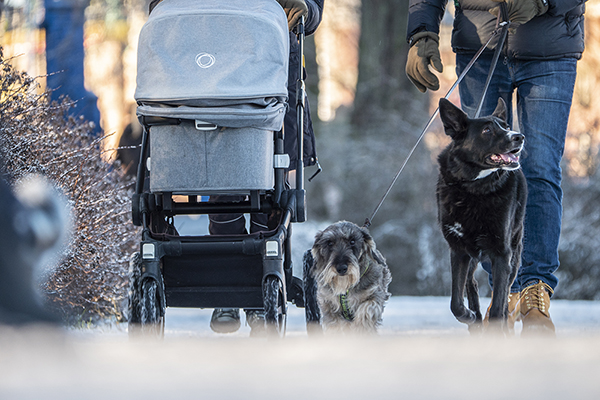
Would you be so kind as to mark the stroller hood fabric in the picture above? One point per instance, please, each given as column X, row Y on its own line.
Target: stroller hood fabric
column 218, row 61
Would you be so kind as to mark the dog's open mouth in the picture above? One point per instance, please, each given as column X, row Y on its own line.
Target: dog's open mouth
column 509, row 158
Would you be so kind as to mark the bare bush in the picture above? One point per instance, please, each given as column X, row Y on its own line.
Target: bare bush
column 37, row 136
column 579, row 273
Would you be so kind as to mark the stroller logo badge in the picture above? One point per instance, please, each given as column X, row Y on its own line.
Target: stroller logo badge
column 205, row 60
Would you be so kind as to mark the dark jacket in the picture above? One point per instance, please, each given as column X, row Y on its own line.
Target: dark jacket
column 557, row 33
column 315, row 11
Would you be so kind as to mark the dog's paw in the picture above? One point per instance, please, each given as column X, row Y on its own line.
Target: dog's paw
column 314, row 329
column 466, row 316
column 498, row 327
column 476, row 328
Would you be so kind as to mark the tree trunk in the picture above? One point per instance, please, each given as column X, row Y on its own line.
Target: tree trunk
column 382, row 83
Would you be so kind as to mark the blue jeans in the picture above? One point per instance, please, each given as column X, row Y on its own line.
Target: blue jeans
column 544, row 92
column 234, row 223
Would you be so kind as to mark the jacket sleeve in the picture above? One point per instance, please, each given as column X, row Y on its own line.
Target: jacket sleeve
column 561, row 7
column 424, row 15
column 315, row 13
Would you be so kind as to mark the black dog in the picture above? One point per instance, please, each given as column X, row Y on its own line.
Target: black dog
column 481, row 195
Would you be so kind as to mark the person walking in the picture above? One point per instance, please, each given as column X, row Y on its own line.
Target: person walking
column 227, row 320
column 539, row 65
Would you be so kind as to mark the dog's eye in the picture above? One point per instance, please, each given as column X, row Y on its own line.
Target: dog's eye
column 352, row 242
column 485, row 131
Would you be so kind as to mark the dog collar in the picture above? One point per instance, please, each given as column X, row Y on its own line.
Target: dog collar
column 346, row 312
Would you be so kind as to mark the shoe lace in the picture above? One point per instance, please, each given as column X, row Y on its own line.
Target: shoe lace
column 534, row 297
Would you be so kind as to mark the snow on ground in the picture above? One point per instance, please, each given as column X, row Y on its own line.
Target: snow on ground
column 403, row 316
column 421, row 353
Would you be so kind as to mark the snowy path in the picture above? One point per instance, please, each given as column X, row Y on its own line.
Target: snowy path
column 422, row 353
column 403, row 316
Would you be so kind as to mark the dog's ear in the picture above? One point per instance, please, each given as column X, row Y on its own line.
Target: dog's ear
column 371, row 249
column 454, row 119
column 314, row 249
column 500, row 110
column 318, row 237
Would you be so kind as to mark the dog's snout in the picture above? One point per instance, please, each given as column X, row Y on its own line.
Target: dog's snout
column 342, row 269
column 517, row 137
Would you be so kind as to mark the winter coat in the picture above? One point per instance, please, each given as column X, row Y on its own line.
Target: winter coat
column 556, row 34
column 315, row 10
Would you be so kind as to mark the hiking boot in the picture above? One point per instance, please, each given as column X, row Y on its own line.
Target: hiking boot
column 513, row 311
column 256, row 320
column 535, row 314
column 225, row 320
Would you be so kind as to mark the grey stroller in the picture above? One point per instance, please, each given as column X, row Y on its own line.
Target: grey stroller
column 211, row 93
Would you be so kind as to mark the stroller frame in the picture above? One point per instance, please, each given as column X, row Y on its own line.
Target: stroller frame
column 250, row 271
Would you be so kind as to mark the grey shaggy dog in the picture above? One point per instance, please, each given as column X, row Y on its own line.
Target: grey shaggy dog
column 352, row 279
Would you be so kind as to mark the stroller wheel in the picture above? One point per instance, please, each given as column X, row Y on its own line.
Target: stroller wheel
column 145, row 311
column 134, row 306
column 275, row 316
column 152, row 317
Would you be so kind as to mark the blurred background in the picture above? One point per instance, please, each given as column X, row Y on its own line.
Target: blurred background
column 366, row 113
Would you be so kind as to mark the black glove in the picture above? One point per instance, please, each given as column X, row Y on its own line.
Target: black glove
column 153, row 4
column 294, row 9
column 522, row 11
column 424, row 51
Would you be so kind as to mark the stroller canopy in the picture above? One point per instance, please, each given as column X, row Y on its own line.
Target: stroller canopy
column 224, row 62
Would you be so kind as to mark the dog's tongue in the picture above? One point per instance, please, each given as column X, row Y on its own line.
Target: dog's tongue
column 510, row 157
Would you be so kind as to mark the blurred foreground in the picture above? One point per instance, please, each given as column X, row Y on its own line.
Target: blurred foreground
column 422, row 353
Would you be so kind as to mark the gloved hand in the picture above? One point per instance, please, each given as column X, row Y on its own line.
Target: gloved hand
column 294, row 9
column 522, row 11
column 424, row 52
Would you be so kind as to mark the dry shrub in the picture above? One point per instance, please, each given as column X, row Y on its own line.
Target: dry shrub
column 36, row 136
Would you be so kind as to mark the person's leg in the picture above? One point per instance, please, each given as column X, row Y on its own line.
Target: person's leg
column 259, row 223
column 544, row 96
column 226, row 320
column 473, row 84
column 226, row 224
